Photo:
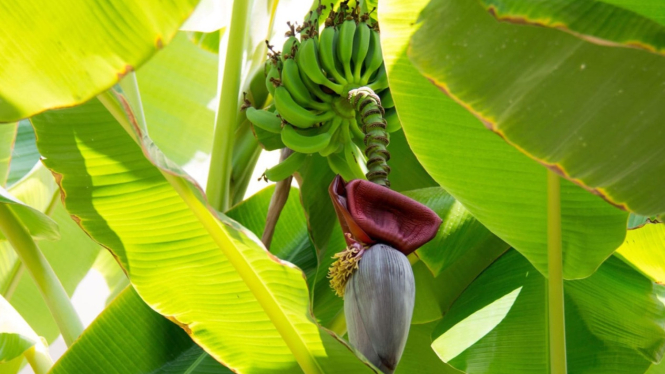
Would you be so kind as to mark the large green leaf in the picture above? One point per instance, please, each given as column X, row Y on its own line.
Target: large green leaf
column 196, row 266
column 654, row 9
column 130, row 338
column 499, row 324
column 17, row 338
column 25, row 155
column 460, row 233
column 406, row 172
column 178, row 88
column 502, row 188
column 69, row 52
column 418, row 356
column 644, row 249
column 290, row 241
column 7, row 137
column 588, row 108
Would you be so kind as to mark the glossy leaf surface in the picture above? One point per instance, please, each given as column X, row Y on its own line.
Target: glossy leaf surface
column 502, row 188
column 586, row 107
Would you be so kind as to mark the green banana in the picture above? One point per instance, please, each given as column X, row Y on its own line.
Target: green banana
column 339, row 166
column 295, row 114
column 380, row 82
column 288, row 48
column 360, row 48
column 387, row 99
column 335, row 132
column 264, row 119
column 273, row 73
column 374, row 57
column 392, row 121
column 358, row 135
column 345, row 46
column 292, row 81
column 308, row 61
column 327, row 54
column 351, row 160
column 286, row 168
column 306, row 140
column 315, row 89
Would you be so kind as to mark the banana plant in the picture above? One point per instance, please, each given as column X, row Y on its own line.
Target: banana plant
column 463, row 186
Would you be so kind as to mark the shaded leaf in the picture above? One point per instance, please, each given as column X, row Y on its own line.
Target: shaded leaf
column 38, row 224
column 502, row 188
column 7, row 137
column 558, row 105
column 25, row 155
column 17, row 338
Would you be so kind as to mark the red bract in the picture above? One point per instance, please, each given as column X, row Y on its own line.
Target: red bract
column 371, row 213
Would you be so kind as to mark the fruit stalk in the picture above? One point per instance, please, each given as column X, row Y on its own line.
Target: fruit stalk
column 371, row 118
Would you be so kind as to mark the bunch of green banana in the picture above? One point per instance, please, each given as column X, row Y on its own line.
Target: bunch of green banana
column 310, row 81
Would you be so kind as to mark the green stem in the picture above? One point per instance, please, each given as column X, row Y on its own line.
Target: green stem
column 246, row 151
column 47, row 282
column 557, row 325
column 39, row 361
column 219, row 176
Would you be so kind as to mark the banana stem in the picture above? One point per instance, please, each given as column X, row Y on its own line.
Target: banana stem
column 370, row 116
column 47, row 282
column 219, row 176
column 557, row 323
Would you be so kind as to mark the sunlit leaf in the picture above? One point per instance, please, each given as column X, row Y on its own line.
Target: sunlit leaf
column 499, row 324
column 68, row 65
column 17, row 338
column 644, row 249
column 7, row 137
column 209, row 278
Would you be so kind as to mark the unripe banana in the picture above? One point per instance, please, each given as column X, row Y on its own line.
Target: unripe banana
column 264, row 120
column 358, row 136
column 392, row 121
column 290, row 46
column 308, row 61
column 295, row 114
column 335, row 144
column 374, row 57
column 345, row 46
column 339, row 166
column 273, row 73
column 286, row 168
column 349, row 153
column 378, row 305
column 315, row 89
column 380, row 82
column 360, row 48
column 310, row 140
column 292, row 81
column 327, row 54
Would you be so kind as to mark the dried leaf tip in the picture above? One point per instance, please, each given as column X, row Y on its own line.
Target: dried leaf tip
column 341, row 270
